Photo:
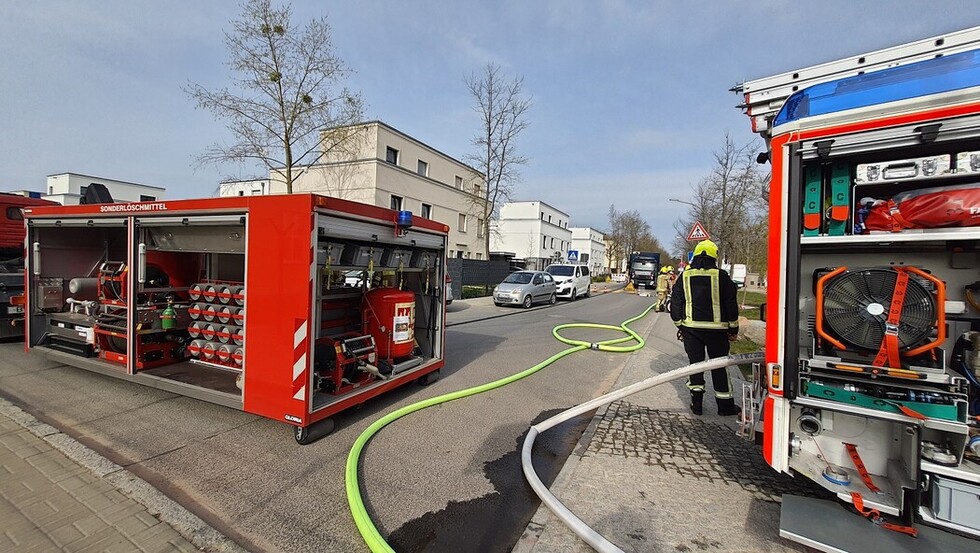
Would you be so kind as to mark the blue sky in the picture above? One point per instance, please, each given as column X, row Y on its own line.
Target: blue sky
column 630, row 97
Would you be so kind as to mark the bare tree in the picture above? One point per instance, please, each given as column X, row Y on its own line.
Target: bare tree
column 730, row 202
column 287, row 90
column 503, row 115
column 630, row 233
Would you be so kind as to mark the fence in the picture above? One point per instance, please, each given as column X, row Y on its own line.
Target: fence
column 476, row 272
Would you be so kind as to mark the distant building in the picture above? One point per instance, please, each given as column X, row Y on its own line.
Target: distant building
column 69, row 188
column 257, row 187
column 379, row 165
column 534, row 231
column 591, row 247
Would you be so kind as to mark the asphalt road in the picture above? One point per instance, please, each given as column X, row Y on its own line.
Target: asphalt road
column 444, row 479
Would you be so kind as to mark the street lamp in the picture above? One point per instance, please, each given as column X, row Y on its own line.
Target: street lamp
column 681, row 202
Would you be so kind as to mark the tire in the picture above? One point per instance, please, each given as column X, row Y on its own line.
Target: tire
column 527, row 303
column 553, row 299
column 428, row 378
column 588, row 291
column 498, row 304
column 308, row 434
column 574, row 295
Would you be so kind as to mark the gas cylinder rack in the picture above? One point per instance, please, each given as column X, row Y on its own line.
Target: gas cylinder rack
column 244, row 302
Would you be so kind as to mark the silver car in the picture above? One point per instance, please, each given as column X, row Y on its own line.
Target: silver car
column 525, row 288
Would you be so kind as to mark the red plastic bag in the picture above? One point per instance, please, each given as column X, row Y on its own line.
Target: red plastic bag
column 952, row 206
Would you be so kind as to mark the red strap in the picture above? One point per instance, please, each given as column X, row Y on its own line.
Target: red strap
column 874, row 516
column 852, row 450
column 898, row 222
column 811, row 221
column 839, row 212
column 888, row 352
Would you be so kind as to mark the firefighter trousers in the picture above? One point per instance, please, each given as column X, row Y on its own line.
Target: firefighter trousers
column 696, row 343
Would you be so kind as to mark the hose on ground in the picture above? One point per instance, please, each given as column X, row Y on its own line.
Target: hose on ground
column 575, row 524
column 369, row 532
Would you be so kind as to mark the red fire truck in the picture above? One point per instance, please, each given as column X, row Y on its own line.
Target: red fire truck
column 12, row 261
column 870, row 386
column 244, row 302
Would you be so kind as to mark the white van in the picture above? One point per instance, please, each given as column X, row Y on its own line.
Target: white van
column 573, row 281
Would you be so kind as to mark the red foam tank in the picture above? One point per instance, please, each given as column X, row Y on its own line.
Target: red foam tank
column 389, row 316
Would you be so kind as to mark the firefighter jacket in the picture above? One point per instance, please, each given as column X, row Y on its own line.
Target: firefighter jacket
column 663, row 282
column 704, row 298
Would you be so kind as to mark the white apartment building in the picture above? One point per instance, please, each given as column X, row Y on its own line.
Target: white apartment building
column 68, row 189
column 534, row 231
column 591, row 247
column 382, row 166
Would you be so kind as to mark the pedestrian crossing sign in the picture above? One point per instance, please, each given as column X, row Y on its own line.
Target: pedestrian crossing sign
column 698, row 233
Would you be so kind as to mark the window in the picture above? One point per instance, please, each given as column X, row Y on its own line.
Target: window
column 423, row 168
column 241, row 192
column 451, row 252
column 585, row 270
column 479, row 228
column 145, row 198
column 549, row 218
column 396, row 202
column 50, row 190
column 552, row 242
column 476, row 189
column 426, row 211
column 479, row 255
column 15, row 214
column 82, row 190
column 544, row 241
column 542, row 215
column 459, row 182
column 391, row 155
column 462, row 223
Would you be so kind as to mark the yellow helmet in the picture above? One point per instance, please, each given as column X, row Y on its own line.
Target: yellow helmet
column 663, row 269
column 706, row 247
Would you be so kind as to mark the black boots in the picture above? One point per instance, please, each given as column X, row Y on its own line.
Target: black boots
column 727, row 407
column 696, row 403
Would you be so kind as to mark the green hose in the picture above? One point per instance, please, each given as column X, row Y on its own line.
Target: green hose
column 365, row 525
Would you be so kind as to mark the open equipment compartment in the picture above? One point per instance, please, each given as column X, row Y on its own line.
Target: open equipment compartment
column 875, row 407
column 242, row 301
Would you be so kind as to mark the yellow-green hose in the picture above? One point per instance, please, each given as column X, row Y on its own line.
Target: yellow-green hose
column 365, row 525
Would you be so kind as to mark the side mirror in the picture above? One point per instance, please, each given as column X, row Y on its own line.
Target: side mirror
column 762, row 312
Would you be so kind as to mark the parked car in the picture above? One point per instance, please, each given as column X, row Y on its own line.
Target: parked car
column 571, row 281
column 526, row 288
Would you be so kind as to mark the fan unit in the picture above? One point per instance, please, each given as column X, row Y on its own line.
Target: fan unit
column 894, row 311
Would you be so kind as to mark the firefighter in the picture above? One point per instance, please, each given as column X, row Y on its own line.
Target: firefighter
column 705, row 311
column 663, row 284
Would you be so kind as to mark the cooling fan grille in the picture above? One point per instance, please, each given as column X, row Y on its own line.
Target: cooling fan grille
column 856, row 304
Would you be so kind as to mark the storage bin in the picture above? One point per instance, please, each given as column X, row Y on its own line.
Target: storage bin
column 957, row 502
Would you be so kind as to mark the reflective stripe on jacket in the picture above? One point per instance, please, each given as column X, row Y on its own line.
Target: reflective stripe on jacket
column 707, row 300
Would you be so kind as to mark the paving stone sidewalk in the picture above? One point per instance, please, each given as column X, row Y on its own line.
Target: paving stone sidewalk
column 58, row 495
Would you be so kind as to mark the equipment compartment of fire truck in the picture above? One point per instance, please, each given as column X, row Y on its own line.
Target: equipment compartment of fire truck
column 243, row 302
column 872, row 378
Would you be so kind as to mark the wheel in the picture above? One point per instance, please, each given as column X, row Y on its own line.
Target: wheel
column 588, row 291
column 527, row 302
column 553, row 299
column 428, row 378
column 308, row 434
column 498, row 304
column 574, row 295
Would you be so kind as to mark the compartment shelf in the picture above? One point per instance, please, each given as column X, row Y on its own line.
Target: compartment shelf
column 935, row 424
column 967, row 470
column 908, row 235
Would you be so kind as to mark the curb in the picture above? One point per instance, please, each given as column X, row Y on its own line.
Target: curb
column 187, row 524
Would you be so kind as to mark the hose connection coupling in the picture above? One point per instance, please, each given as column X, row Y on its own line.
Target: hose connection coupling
column 594, row 346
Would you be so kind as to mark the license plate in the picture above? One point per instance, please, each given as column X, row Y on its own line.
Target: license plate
column 15, row 309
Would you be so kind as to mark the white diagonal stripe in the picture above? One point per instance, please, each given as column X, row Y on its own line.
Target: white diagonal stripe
column 299, row 366
column 301, row 394
column 300, row 334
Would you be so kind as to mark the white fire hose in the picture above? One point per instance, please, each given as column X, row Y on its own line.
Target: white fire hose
column 574, row 523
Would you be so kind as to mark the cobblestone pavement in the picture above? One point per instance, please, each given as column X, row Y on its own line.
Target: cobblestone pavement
column 57, row 495
column 692, row 448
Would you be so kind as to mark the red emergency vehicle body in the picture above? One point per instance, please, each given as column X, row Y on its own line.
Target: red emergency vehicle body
column 285, row 253
column 884, row 427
